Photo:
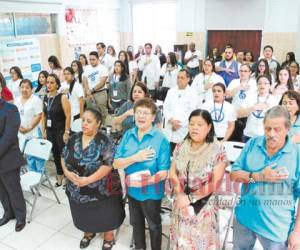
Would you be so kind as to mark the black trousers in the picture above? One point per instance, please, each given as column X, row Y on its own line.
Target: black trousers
column 149, row 209
column 56, row 137
column 11, row 195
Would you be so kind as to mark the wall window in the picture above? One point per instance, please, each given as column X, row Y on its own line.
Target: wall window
column 33, row 24
column 17, row 24
column 156, row 23
column 6, row 24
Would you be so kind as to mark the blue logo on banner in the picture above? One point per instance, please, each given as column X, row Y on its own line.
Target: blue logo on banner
column 36, row 67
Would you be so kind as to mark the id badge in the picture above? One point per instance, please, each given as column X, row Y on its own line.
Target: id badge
column 49, row 123
column 115, row 92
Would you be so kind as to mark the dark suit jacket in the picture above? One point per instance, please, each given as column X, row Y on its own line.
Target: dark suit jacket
column 10, row 156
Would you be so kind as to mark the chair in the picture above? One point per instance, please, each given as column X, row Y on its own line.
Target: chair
column 32, row 180
column 233, row 150
column 76, row 126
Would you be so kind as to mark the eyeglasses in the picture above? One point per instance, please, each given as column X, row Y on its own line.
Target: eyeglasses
column 244, row 71
column 142, row 113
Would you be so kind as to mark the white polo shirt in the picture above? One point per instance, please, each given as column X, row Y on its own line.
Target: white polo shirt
column 221, row 115
column 94, row 74
column 178, row 105
column 31, row 108
column 107, row 61
column 194, row 62
column 254, row 125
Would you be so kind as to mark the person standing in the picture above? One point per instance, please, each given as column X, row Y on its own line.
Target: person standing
column 228, row 68
column 193, row 60
column 104, row 58
column 268, row 168
column 150, row 65
column 94, row 79
column 181, row 100
column 11, row 160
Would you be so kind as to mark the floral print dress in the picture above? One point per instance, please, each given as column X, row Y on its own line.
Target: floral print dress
column 190, row 231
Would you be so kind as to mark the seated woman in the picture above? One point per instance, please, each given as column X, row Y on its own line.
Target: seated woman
column 199, row 163
column 125, row 116
column 294, row 69
column 291, row 100
column 222, row 112
column 144, row 154
column 93, row 189
column 255, row 106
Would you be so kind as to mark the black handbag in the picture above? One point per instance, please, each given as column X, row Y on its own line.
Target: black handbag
column 199, row 204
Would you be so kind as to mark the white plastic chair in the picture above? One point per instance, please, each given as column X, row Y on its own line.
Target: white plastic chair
column 76, row 126
column 233, row 150
column 33, row 180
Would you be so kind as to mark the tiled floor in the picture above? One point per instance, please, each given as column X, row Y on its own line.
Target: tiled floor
column 52, row 227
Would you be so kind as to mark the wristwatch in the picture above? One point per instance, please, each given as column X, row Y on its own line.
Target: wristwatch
column 251, row 180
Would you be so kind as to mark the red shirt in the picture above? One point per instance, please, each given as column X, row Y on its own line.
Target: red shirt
column 6, row 94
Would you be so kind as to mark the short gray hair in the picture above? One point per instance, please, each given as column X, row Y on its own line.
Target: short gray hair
column 276, row 112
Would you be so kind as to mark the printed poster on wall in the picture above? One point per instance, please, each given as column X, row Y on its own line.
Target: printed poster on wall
column 24, row 54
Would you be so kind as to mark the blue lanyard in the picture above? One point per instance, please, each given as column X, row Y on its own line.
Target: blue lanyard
column 220, row 114
column 49, row 105
column 114, row 83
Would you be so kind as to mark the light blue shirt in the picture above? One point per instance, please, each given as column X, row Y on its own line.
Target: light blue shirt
column 268, row 209
column 295, row 128
column 130, row 145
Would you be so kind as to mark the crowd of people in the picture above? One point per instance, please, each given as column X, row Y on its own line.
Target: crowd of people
column 179, row 143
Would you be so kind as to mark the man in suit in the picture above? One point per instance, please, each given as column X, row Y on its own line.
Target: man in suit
column 11, row 160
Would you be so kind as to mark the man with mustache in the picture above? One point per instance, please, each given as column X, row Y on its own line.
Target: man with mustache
column 269, row 170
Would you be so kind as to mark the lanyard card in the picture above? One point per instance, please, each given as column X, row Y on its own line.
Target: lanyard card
column 49, row 123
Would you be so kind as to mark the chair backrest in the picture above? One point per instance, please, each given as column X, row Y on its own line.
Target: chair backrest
column 22, row 141
column 76, row 126
column 233, row 149
column 39, row 148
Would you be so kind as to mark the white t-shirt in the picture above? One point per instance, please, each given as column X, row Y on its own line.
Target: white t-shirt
column 254, row 125
column 94, row 74
column 220, row 115
column 170, row 77
column 31, row 108
column 201, row 80
column 178, row 105
column 194, row 62
column 77, row 92
column 240, row 96
column 14, row 87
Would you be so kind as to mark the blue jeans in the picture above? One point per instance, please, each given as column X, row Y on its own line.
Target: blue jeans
column 244, row 239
